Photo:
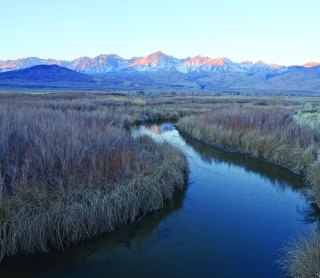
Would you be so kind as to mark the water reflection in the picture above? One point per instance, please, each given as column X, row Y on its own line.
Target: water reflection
column 160, row 129
column 276, row 175
column 311, row 214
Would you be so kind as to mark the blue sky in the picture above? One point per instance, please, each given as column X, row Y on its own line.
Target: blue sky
column 276, row 31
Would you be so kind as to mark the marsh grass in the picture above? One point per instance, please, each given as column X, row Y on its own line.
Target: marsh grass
column 308, row 114
column 70, row 171
column 313, row 175
column 302, row 257
column 36, row 222
column 267, row 133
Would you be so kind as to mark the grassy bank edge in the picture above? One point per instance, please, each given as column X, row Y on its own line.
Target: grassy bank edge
column 296, row 159
column 85, row 212
column 302, row 256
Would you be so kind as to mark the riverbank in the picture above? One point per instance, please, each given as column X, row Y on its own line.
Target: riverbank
column 273, row 135
column 267, row 133
column 302, row 256
column 69, row 172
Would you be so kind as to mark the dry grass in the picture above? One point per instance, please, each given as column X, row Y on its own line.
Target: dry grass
column 70, row 171
column 37, row 222
column 125, row 110
column 269, row 133
column 302, row 257
column 309, row 114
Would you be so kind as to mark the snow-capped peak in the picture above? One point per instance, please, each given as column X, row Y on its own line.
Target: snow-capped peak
column 157, row 61
column 206, row 61
column 311, row 64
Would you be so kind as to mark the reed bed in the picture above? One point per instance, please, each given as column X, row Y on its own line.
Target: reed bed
column 302, row 257
column 68, row 174
column 268, row 133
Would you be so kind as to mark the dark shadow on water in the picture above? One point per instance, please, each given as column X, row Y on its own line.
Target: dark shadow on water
column 311, row 214
column 278, row 176
column 130, row 236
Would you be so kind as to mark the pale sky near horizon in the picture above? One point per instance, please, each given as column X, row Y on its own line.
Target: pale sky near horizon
column 276, row 31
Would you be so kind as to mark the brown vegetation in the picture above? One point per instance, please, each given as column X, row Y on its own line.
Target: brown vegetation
column 70, row 171
column 302, row 257
column 268, row 133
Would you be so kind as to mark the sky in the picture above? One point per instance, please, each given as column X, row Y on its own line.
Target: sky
column 275, row 31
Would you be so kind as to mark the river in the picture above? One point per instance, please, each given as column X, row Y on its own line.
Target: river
column 233, row 220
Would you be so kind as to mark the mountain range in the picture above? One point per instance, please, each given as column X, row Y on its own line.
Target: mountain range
column 159, row 71
column 157, row 61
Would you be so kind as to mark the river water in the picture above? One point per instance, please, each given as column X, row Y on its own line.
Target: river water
column 233, row 220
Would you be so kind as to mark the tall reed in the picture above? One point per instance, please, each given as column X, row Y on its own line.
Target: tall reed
column 269, row 133
column 302, row 257
column 68, row 174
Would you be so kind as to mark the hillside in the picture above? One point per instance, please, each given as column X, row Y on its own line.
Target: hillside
column 47, row 76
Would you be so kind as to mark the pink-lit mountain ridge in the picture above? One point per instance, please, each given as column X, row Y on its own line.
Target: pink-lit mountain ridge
column 157, row 61
column 159, row 72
